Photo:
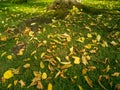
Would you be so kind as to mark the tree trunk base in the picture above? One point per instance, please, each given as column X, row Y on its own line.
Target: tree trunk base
column 64, row 4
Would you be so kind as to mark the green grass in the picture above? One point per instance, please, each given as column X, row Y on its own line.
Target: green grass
column 56, row 39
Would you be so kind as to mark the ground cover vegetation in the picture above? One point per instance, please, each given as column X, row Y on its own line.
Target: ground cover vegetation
column 75, row 49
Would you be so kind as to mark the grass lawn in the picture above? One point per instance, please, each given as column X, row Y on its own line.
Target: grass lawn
column 79, row 52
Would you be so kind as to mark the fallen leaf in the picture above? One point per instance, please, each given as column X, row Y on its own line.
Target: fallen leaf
column 15, row 82
column 84, row 60
column 104, row 44
column 42, row 65
column 81, row 39
column 9, row 57
column 76, row 59
column 44, row 75
column 117, row 87
column 91, row 68
column 65, row 62
column 20, row 52
column 116, row 74
column 88, row 80
column 9, row 85
column 39, row 85
column 3, row 38
column 114, row 43
column 8, row 74
column 98, row 37
column 89, row 35
column 58, row 58
column 88, row 46
column 22, row 83
column 31, row 33
column 66, row 66
column 80, row 87
column 3, row 54
column 42, row 55
column 50, row 86
column 26, row 65
column 84, row 71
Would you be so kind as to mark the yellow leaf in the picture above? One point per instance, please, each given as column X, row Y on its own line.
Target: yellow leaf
column 114, row 43
column 37, row 74
column 104, row 44
column 9, row 57
column 3, row 54
column 98, row 37
column 31, row 33
column 15, row 82
column 9, row 85
column 84, row 60
column 22, row 83
column 42, row 65
column 8, row 74
column 84, row 71
column 26, row 65
column 88, row 80
column 81, row 39
column 42, row 55
column 50, row 86
column 88, row 46
column 20, row 52
column 3, row 38
column 89, row 35
column 80, row 87
column 66, row 66
column 76, row 59
column 58, row 59
column 44, row 75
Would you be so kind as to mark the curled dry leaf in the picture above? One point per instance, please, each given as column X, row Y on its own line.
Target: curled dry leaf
column 114, row 43
column 22, row 83
column 21, row 51
column 76, row 59
column 84, row 60
column 66, row 66
column 88, row 80
column 9, row 85
column 84, row 71
column 3, row 54
column 116, row 74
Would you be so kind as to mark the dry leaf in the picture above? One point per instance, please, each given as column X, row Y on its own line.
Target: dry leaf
column 76, row 59
column 20, row 52
column 81, row 39
column 22, row 83
column 50, row 86
column 58, row 73
column 84, row 71
column 58, row 59
column 117, row 87
column 39, row 85
column 98, row 37
column 44, row 75
column 91, row 68
column 9, row 85
column 80, row 87
column 88, row 80
column 42, row 55
column 26, row 65
column 114, row 43
column 65, row 62
column 71, row 50
column 3, row 38
column 66, row 66
column 104, row 44
column 42, row 65
column 84, row 60
column 89, row 35
column 88, row 46
column 8, row 74
column 116, row 74
column 15, row 82
column 31, row 33
column 9, row 57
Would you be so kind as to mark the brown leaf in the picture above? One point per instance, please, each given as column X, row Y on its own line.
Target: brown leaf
column 84, row 71
column 39, row 85
column 88, row 80
column 117, row 87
